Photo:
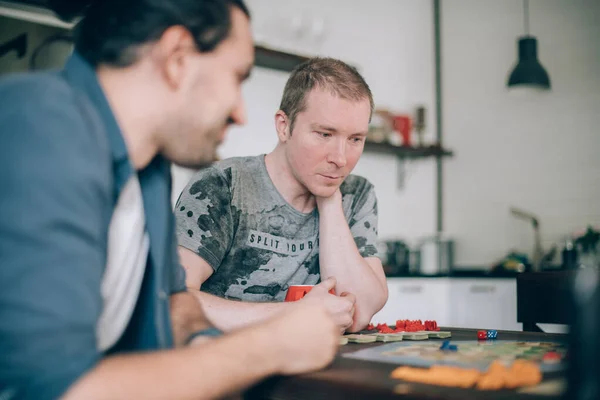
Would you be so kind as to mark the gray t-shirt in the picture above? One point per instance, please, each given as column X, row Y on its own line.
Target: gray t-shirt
column 232, row 216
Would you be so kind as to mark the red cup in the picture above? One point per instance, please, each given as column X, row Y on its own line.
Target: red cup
column 403, row 125
column 297, row 292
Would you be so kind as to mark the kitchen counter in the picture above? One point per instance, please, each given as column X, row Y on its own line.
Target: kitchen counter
column 465, row 300
column 462, row 273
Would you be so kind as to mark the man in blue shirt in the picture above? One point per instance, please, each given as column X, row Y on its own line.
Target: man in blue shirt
column 92, row 296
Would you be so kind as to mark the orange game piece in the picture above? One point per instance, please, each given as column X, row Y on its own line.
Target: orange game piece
column 438, row 375
column 494, row 378
column 521, row 373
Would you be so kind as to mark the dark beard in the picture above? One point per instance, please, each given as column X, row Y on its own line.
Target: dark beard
column 212, row 143
column 204, row 160
column 197, row 165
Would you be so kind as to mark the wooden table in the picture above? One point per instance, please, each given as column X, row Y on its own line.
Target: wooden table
column 353, row 379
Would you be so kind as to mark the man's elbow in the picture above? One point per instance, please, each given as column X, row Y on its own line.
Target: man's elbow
column 377, row 300
column 383, row 298
column 369, row 310
column 378, row 293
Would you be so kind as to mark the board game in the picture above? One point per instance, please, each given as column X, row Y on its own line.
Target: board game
column 470, row 353
column 403, row 330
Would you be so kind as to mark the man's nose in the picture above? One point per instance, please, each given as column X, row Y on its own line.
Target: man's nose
column 238, row 115
column 337, row 154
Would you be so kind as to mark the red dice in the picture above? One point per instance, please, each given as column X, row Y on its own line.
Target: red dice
column 482, row 335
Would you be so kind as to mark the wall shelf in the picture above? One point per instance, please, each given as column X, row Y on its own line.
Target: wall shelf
column 32, row 11
column 277, row 60
column 408, row 152
column 37, row 12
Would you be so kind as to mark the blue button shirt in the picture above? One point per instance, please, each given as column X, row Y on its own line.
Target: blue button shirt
column 63, row 162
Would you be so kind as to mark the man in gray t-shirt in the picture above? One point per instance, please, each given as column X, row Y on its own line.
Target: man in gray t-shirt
column 258, row 245
column 250, row 227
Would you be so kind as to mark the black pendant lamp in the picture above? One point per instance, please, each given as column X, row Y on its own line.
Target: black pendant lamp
column 528, row 72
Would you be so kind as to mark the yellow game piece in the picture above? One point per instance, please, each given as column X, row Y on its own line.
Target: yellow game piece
column 357, row 338
column 389, row 337
column 415, row 336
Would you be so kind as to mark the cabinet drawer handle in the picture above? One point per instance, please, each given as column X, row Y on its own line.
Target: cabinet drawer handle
column 411, row 289
column 482, row 289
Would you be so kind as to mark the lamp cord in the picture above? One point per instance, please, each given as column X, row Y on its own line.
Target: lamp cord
column 526, row 16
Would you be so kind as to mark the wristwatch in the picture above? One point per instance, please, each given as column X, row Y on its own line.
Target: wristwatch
column 209, row 332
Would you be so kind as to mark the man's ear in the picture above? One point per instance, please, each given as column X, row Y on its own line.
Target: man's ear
column 282, row 126
column 171, row 54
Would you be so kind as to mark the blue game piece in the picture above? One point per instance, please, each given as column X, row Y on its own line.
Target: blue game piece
column 445, row 345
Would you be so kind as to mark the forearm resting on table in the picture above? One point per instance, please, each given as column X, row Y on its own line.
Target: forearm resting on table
column 370, row 294
column 211, row 370
column 339, row 257
column 229, row 315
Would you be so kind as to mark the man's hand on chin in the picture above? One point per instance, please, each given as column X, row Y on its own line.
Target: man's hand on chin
column 325, row 202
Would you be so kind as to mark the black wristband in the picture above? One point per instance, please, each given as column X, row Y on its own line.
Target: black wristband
column 211, row 332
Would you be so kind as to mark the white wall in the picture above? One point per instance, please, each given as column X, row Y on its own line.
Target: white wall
column 391, row 43
column 540, row 153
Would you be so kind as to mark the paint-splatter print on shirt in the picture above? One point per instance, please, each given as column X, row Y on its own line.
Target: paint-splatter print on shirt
column 231, row 215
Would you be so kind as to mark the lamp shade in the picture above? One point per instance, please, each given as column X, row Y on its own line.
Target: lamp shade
column 528, row 71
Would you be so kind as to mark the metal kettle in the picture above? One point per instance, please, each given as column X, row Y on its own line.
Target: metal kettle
column 436, row 254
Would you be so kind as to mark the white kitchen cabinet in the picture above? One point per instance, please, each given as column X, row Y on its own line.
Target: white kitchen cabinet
column 416, row 298
column 480, row 303
column 484, row 304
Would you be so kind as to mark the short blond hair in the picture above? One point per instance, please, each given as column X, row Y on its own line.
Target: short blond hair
column 327, row 73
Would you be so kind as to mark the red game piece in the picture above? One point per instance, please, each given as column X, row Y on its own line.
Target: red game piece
column 417, row 325
column 482, row 335
column 431, row 326
column 410, row 326
column 551, row 357
column 382, row 326
column 386, row 329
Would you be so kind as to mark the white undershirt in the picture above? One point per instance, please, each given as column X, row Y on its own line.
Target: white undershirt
column 128, row 246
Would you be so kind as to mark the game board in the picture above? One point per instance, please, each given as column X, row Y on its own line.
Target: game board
column 471, row 353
